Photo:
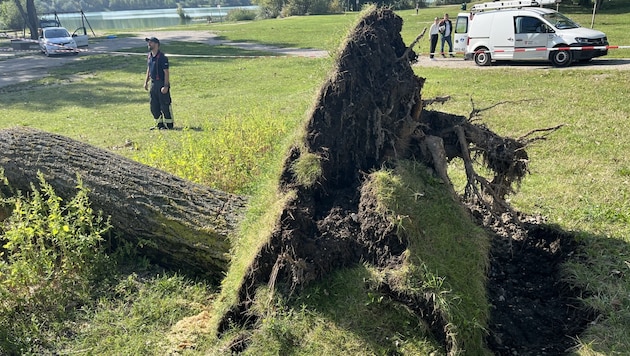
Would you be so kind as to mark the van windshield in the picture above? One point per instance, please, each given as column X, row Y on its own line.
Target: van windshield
column 560, row 21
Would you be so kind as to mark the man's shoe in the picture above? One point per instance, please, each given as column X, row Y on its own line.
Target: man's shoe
column 452, row 56
column 443, row 56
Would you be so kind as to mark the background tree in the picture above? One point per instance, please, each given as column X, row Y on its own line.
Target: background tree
column 607, row 5
column 10, row 17
column 29, row 15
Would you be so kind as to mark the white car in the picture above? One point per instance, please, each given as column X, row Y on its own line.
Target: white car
column 57, row 40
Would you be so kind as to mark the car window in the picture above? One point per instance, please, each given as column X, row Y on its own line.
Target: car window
column 461, row 26
column 526, row 24
column 560, row 21
column 56, row 33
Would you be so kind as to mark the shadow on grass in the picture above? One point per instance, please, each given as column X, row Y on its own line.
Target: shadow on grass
column 68, row 84
column 182, row 49
column 258, row 43
column 55, row 93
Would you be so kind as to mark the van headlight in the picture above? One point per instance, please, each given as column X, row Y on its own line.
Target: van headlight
column 581, row 40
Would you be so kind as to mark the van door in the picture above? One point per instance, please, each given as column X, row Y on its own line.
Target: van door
column 460, row 41
column 502, row 36
column 530, row 39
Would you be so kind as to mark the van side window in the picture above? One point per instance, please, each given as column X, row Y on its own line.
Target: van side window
column 526, row 24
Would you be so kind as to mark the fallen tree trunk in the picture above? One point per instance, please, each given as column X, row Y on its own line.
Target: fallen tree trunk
column 176, row 223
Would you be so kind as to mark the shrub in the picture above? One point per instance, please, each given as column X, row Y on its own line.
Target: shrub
column 241, row 15
column 51, row 255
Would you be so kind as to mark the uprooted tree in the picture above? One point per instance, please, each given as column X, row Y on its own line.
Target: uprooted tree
column 369, row 114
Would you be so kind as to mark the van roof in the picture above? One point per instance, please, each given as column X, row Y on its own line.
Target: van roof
column 536, row 10
column 511, row 4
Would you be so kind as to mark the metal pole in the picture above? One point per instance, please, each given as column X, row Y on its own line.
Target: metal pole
column 83, row 17
column 594, row 8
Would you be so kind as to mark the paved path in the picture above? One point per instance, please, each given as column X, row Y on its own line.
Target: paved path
column 20, row 67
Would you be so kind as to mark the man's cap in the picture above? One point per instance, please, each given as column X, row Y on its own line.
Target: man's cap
column 152, row 39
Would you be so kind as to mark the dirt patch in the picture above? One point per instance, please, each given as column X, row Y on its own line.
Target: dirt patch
column 533, row 311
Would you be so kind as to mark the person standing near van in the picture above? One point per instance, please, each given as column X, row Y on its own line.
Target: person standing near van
column 160, row 92
column 446, row 29
column 433, row 36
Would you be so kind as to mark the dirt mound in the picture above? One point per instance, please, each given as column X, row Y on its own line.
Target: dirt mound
column 368, row 115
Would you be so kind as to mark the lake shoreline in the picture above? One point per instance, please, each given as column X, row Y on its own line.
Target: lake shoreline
column 140, row 19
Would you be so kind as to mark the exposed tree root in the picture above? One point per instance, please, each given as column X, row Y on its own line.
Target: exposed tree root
column 369, row 114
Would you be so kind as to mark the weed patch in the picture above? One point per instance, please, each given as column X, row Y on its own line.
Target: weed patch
column 53, row 257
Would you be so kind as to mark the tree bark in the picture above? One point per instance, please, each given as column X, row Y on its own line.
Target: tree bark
column 176, row 223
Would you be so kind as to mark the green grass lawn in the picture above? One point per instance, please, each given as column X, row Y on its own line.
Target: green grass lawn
column 236, row 117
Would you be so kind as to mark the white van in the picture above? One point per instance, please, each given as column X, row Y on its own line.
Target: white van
column 522, row 30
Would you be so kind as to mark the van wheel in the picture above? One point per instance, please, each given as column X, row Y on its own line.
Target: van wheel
column 561, row 58
column 482, row 57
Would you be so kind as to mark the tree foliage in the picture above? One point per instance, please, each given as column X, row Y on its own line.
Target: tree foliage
column 602, row 4
column 114, row 5
column 10, row 17
column 275, row 8
column 29, row 13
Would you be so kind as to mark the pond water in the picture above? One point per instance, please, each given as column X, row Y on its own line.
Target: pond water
column 141, row 19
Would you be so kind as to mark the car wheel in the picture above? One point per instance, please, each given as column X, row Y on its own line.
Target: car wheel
column 561, row 58
column 482, row 57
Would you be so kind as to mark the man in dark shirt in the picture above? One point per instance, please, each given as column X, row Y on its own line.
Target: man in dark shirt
column 160, row 93
column 446, row 29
